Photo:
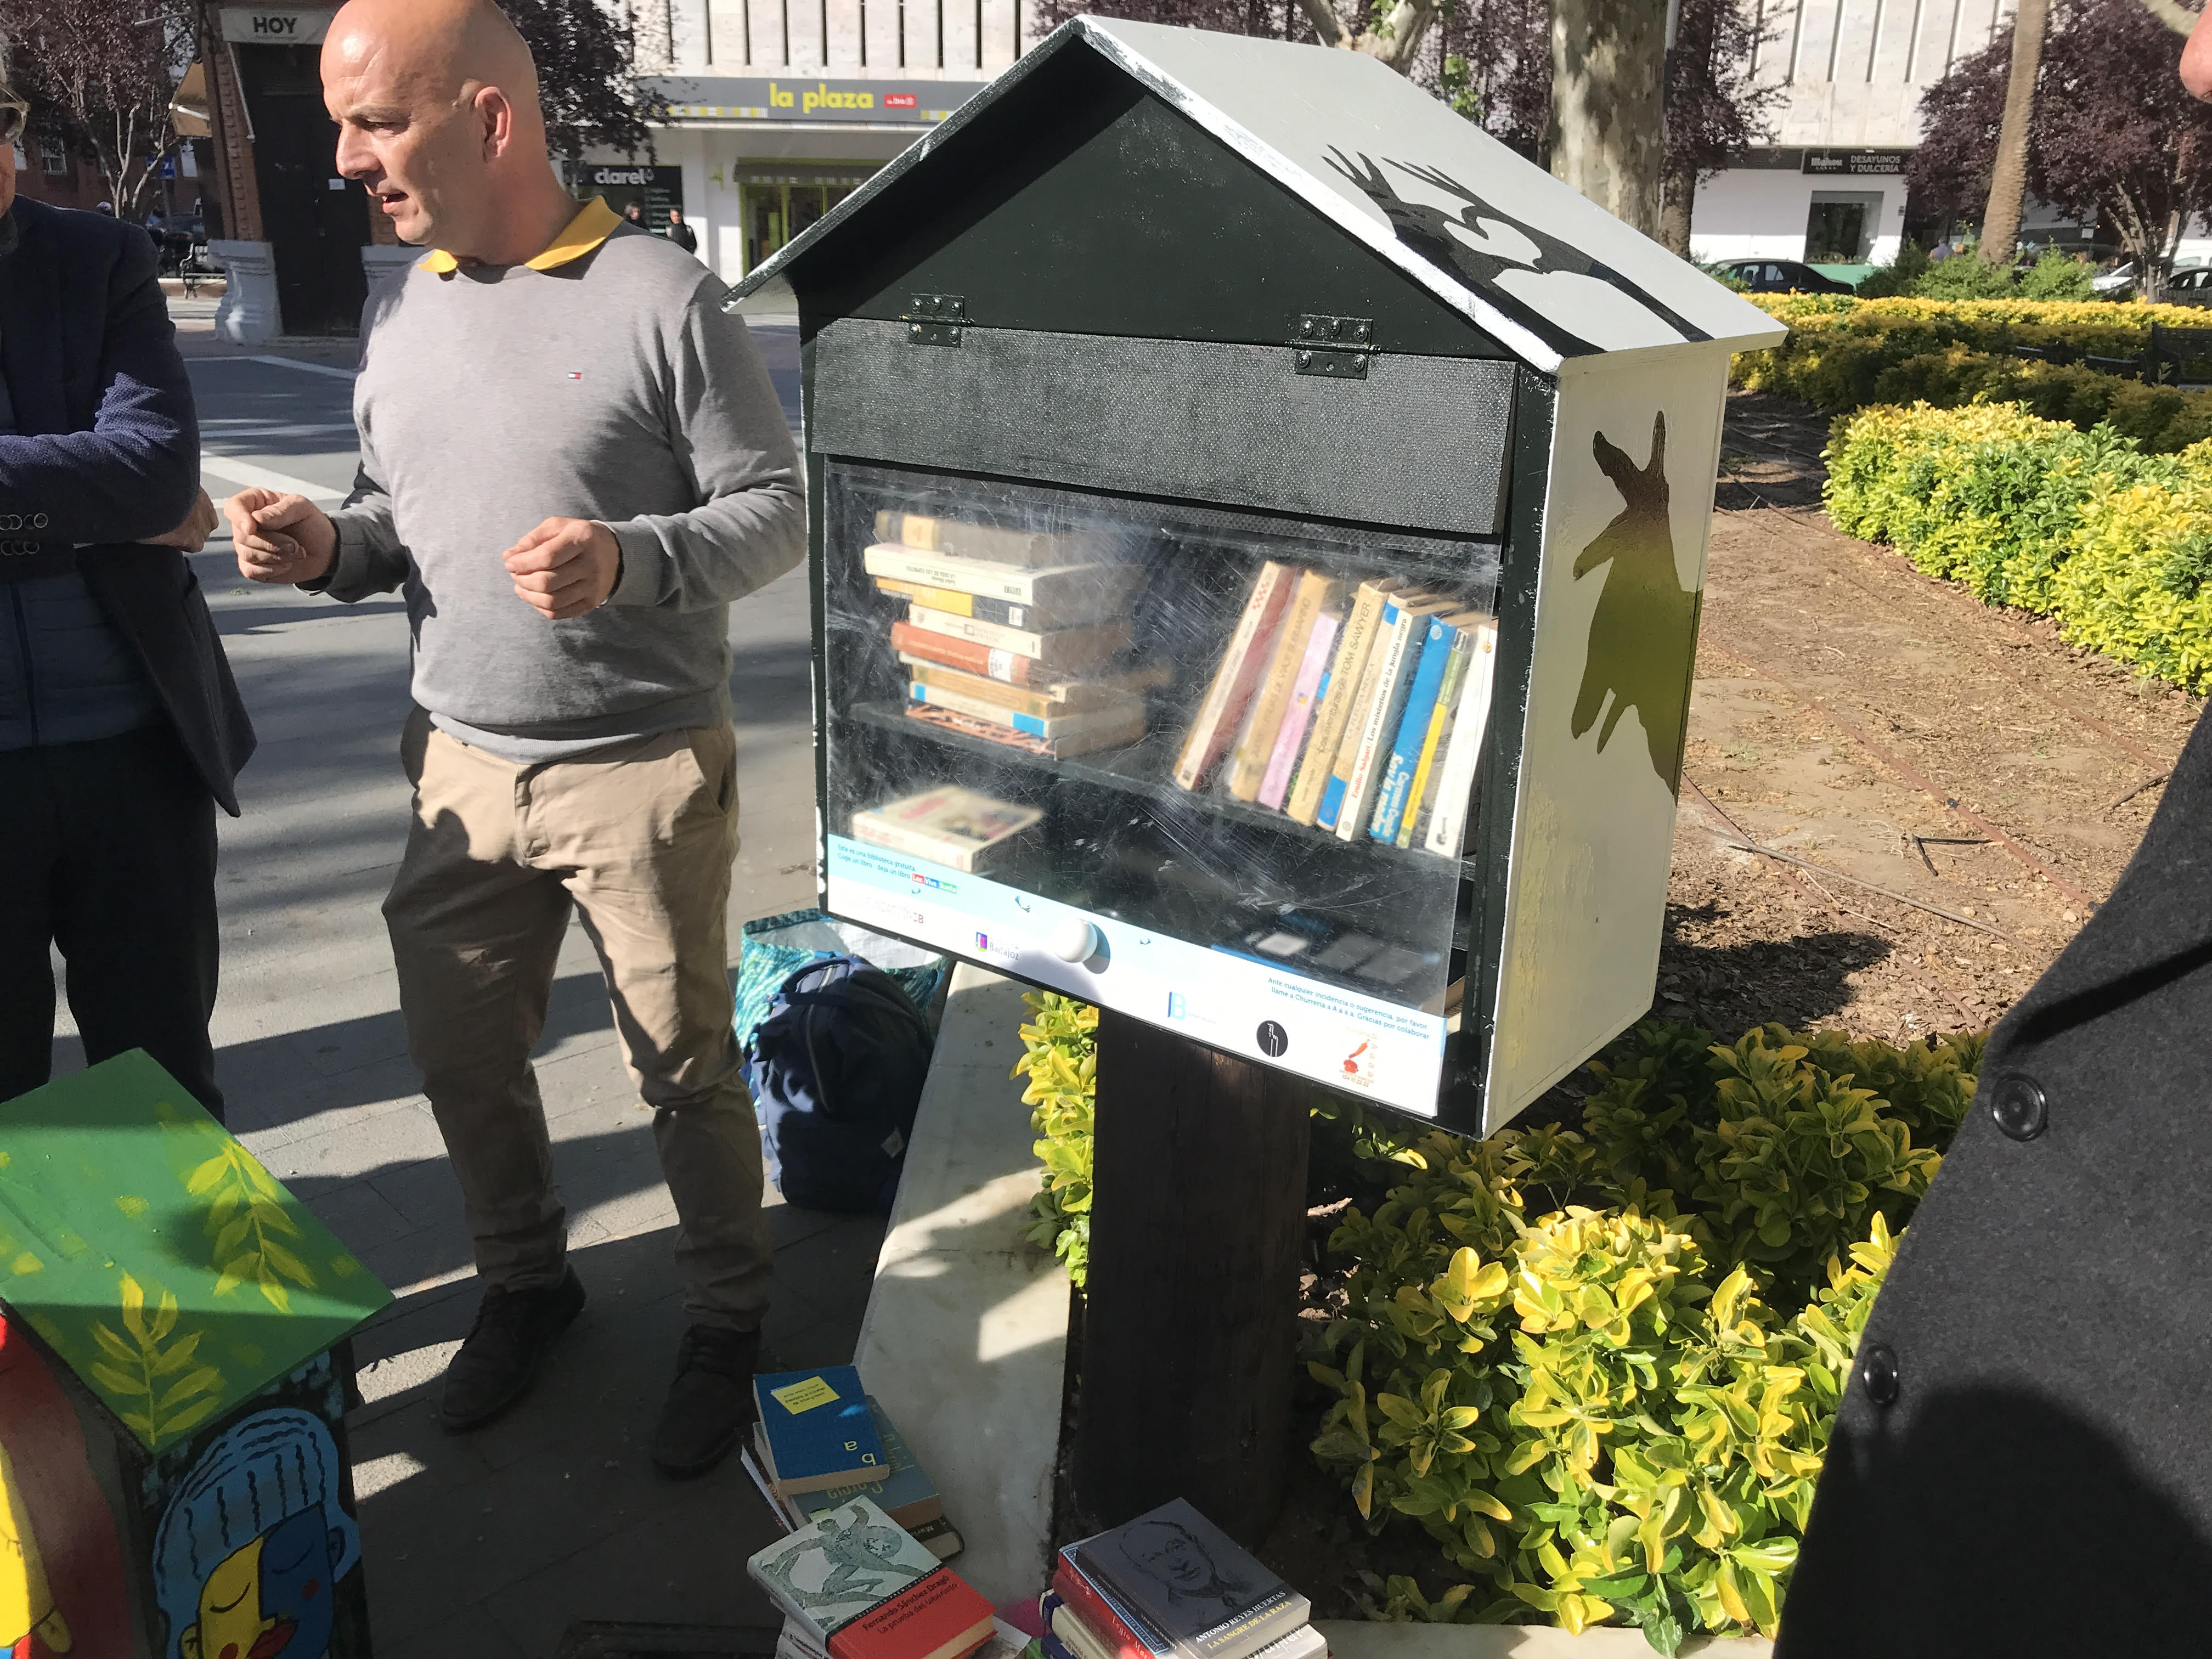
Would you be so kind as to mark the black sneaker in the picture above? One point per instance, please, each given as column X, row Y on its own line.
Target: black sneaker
column 494, row 1366
column 710, row 1403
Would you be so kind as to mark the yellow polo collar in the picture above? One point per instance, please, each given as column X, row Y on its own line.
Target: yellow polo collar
column 585, row 232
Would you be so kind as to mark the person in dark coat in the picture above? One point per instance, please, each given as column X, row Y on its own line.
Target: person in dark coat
column 680, row 233
column 120, row 727
column 2022, row 1460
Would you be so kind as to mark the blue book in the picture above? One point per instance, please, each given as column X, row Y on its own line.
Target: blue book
column 1339, row 777
column 1412, row 729
column 900, row 1490
column 816, row 1430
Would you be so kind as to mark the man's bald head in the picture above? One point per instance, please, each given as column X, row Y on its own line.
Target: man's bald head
column 436, row 102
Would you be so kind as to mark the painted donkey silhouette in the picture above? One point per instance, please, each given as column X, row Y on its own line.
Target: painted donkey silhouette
column 1646, row 623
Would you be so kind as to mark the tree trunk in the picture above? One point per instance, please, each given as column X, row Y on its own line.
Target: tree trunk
column 2008, row 176
column 1607, row 137
column 1680, row 201
column 1190, row 1327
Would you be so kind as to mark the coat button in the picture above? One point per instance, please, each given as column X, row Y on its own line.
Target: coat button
column 1878, row 1373
column 2018, row 1106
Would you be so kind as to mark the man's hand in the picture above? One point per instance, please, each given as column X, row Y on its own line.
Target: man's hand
column 191, row 535
column 565, row 567
column 280, row 539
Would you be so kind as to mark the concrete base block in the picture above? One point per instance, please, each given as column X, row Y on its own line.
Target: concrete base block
column 1355, row 1639
column 965, row 1340
column 248, row 314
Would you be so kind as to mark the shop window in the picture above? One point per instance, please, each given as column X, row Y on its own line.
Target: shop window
column 775, row 210
column 53, row 157
column 1839, row 229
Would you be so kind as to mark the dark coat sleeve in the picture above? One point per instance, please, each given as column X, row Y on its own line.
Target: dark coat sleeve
column 136, row 472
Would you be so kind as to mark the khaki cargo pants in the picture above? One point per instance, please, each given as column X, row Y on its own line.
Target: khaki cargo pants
column 639, row 838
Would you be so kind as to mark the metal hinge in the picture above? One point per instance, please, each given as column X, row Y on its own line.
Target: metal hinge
column 935, row 319
column 1338, row 346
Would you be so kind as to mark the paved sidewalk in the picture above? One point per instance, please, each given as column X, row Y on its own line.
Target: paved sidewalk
column 490, row 1544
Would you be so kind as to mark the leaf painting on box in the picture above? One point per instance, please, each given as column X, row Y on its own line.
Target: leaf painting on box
column 155, row 1256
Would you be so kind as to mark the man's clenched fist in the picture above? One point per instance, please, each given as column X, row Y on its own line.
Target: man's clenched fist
column 280, row 539
column 565, row 567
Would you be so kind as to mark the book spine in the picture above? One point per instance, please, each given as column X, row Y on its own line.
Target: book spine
column 1310, row 687
column 1100, row 1617
column 1257, row 746
column 970, row 655
column 1071, row 648
column 1232, row 681
column 1345, row 672
column 1037, row 726
column 1004, row 612
column 998, row 581
column 1433, row 741
column 1413, row 730
column 1456, row 785
column 987, row 690
column 1380, row 716
column 916, row 843
column 1355, row 713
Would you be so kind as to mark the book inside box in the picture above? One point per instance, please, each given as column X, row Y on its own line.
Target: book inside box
column 1256, row 735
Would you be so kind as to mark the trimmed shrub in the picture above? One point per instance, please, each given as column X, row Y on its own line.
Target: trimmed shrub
column 2085, row 526
column 1060, row 1057
column 1600, row 1368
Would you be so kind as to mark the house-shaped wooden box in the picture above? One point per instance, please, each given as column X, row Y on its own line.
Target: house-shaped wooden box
column 1258, row 528
column 173, row 1479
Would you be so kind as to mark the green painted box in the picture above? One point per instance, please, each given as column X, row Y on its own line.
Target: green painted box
column 173, row 1477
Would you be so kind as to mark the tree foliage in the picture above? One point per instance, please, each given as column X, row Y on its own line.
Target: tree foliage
column 587, row 59
column 2115, row 134
column 98, row 75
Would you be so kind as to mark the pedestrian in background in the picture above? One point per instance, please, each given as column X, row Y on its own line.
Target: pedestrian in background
column 120, row 728
column 680, row 233
column 571, row 461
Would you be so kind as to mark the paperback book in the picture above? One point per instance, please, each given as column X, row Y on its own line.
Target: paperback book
column 979, row 541
column 1075, row 593
column 950, row 825
column 860, row 1588
column 1066, row 650
column 1185, row 1579
column 816, row 1431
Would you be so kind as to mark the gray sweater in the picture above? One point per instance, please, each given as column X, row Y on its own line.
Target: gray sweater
column 610, row 387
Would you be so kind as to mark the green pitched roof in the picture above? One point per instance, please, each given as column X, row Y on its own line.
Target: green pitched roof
column 171, row 1272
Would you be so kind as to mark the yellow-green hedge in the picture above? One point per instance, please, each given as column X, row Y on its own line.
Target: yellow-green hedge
column 2086, row 526
column 1845, row 354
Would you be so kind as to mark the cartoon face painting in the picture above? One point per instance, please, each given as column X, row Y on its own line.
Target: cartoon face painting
column 27, row 1599
column 252, row 1545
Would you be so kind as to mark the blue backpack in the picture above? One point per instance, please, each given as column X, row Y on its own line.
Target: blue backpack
column 836, row 1071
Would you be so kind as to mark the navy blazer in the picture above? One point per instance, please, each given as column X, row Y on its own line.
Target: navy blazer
column 109, row 452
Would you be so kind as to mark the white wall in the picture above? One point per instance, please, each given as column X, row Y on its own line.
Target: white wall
column 896, row 39
column 1855, row 70
column 1752, row 213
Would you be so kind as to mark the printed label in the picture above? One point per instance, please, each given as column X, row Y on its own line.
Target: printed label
column 804, row 1396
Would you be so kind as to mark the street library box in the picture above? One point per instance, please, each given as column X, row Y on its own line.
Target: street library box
column 173, row 1477
column 1258, row 528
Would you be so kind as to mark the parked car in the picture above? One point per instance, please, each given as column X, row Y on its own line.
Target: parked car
column 2117, row 283
column 2190, row 285
column 1780, row 277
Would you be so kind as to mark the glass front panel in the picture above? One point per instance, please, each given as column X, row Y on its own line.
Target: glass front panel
column 1208, row 768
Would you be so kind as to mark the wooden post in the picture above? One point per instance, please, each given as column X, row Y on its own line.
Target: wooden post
column 1190, row 1333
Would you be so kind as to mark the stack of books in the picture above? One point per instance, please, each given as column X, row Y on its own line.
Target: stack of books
column 853, row 1585
column 1171, row 1585
column 821, row 1443
column 1357, row 707
column 1013, row 635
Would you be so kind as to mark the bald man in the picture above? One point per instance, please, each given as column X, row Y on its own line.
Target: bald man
column 571, row 462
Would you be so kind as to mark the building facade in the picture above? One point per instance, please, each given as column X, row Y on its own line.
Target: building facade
column 780, row 108
column 1830, row 189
